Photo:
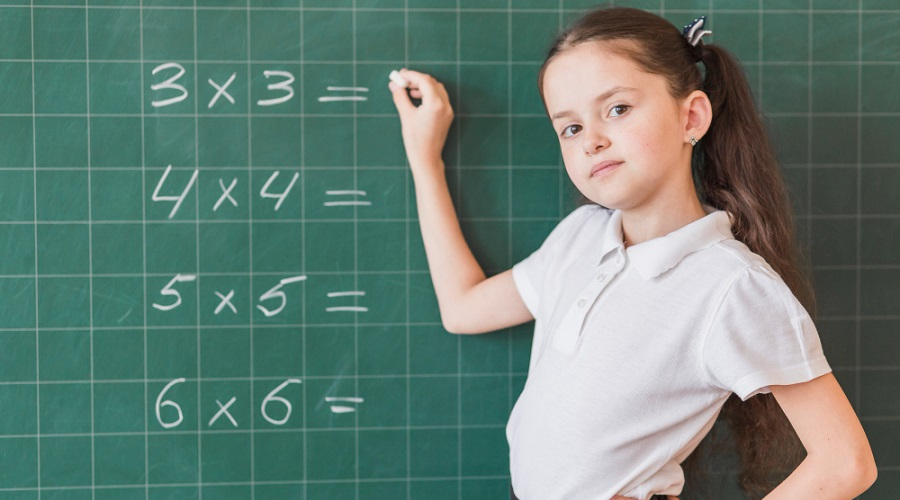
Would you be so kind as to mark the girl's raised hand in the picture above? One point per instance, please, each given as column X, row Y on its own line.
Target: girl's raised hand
column 425, row 126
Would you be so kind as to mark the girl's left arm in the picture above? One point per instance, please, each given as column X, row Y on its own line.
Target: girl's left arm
column 839, row 464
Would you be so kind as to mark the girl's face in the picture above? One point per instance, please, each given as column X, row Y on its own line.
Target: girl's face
column 622, row 135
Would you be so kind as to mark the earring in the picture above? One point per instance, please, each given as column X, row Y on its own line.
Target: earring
column 693, row 141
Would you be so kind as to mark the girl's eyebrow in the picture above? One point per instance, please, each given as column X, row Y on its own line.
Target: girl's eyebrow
column 600, row 98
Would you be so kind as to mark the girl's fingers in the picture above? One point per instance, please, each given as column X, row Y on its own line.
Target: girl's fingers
column 426, row 85
column 420, row 86
column 401, row 99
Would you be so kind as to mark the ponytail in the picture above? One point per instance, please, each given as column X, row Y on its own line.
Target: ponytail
column 735, row 169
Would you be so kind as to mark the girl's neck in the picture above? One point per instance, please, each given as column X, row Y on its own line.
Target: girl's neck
column 641, row 226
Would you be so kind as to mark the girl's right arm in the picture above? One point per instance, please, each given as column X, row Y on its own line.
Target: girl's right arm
column 469, row 302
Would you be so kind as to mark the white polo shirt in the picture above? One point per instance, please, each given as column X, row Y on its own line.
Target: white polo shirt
column 636, row 350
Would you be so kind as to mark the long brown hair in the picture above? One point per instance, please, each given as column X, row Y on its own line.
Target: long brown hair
column 734, row 169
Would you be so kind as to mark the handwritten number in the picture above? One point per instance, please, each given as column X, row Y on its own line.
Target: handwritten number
column 272, row 397
column 177, row 199
column 275, row 292
column 168, row 290
column 284, row 85
column 160, row 403
column 264, row 192
column 169, row 84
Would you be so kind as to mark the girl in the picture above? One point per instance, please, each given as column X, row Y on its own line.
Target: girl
column 674, row 289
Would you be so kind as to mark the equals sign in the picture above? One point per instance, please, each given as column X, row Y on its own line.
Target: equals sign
column 354, row 293
column 345, row 97
column 348, row 202
column 343, row 409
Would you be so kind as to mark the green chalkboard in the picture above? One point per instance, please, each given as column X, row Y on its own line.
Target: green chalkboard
column 212, row 283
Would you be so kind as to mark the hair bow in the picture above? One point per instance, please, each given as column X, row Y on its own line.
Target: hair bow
column 694, row 31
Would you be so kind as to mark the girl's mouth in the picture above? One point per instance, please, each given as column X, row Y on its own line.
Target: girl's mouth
column 603, row 167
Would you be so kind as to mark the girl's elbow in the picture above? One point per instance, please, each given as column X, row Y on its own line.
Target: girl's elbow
column 455, row 318
column 868, row 472
column 451, row 326
column 452, row 323
column 457, row 324
column 862, row 472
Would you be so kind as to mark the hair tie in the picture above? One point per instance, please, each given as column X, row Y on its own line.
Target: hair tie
column 693, row 33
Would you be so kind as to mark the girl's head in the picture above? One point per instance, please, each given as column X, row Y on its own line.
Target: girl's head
column 624, row 137
column 733, row 167
column 626, row 48
column 626, row 149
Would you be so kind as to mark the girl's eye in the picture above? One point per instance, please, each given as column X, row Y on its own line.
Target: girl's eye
column 619, row 110
column 571, row 130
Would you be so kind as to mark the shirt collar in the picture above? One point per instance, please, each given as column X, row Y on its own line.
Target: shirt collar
column 612, row 236
column 656, row 256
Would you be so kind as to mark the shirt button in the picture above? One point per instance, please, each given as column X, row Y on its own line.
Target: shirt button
column 582, row 302
column 601, row 278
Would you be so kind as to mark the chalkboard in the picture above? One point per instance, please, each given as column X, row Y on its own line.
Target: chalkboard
column 212, row 281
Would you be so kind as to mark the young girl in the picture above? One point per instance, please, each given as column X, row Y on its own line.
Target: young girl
column 673, row 290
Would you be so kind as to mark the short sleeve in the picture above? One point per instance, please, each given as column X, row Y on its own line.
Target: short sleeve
column 761, row 335
column 530, row 273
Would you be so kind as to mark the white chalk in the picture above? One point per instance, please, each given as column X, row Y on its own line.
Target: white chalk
column 399, row 80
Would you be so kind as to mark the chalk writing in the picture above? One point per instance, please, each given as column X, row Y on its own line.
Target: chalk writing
column 170, row 84
column 223, row 410
column 345, row 97
column 160, row 404
column 341, row 408
column 268, row 191
column 221, row 91
column 284, row 85
column 346, row 202
column 278, row 196
column 278, row 399
column 226, row 302
column 168, row 290
column 275, row 409
column 357, row 293
column 275, row 292
column 226, row 194
column 177, row 199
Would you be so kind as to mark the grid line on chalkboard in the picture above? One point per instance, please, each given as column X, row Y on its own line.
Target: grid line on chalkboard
column 197, row 257
column 303, row 229
column 90, row 250
column 406, row 328
column 128, row 381
column 857, row 322
column 836, row 114
column 353, row 45
column 249, row 483
column 250, row 263
column 37, row 341
column 144, row 261
column 523, row 62
column 534, row 10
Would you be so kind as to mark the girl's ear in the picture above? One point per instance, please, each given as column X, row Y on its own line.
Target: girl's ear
column 698, row 115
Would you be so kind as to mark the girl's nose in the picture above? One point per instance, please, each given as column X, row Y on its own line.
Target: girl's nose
column 594, row 142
